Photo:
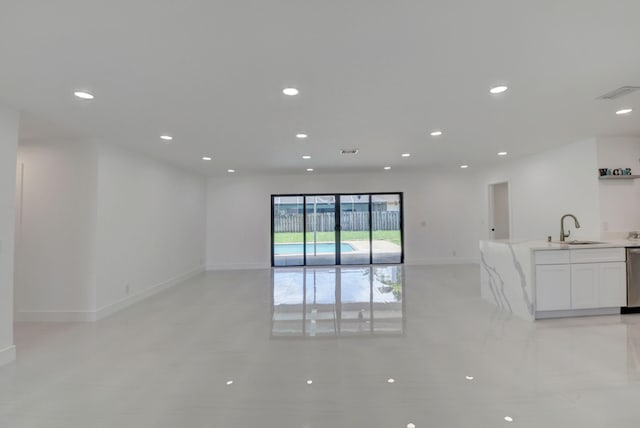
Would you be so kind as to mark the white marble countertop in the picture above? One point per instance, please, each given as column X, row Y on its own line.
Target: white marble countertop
column 544, row 245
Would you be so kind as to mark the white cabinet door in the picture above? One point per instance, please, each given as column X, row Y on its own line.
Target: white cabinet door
column 598, row 285
column 584, row 285
column 613, row 284
column 553, row 287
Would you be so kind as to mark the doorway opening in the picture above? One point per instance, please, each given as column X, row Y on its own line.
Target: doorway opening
column 336, row 229
column 499, row 212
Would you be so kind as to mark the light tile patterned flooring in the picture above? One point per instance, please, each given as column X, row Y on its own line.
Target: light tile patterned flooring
column 166, row 362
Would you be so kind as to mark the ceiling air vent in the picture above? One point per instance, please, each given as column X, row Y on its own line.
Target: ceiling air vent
column 348, row 151
column 617, row 93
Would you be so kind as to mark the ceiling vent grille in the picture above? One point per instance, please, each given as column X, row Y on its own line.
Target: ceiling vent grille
column 617, row 93
column 348, row 151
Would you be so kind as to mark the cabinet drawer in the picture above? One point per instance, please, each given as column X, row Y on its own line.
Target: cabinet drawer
column 552, row 257
column 594, row 255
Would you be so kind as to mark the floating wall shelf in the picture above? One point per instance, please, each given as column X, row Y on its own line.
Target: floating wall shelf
column 618, row 177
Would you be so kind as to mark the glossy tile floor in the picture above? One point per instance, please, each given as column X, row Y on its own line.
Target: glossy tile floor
column 237, row 349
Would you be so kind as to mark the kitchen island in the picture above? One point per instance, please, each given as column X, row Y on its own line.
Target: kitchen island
column 539, row 279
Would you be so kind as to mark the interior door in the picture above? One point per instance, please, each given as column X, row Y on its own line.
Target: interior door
column 499, row 211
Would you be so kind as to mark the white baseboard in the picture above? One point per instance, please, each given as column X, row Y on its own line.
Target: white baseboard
column 7, row 355
column 114, row 307
column 577, row 313
column 443, row 261
column 57, row 316
column 417, row 262
column 106, row 310
column 239, row 266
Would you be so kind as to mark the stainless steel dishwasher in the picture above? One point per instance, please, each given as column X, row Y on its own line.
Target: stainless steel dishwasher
column 633, row 277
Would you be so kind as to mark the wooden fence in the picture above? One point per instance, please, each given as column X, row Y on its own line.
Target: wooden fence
column 325, row 222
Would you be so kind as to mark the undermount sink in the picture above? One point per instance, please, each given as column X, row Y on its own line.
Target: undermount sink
column 576, row 242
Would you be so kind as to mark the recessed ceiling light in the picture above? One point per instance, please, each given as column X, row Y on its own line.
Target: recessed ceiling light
column 229, row 382
column 391, row 380
column 206, row 158
column 464, row 166
column 166, row 137
column 406, row 155
column 231, row 170
column 498, row 89
column 83, row 95
column 508, row 418
column 309, row 169
column 301, row 136
column 309, row 382
column 290, row 91
column 411, row 425
column 624, row 111
column 306, row 157
column 502, row 153
column 468, row 377
column 436, row 133
column 387, row 168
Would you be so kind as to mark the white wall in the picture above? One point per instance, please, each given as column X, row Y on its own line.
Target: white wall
column 545, row 186
column 150, row 227
column 100, row 228
column 440, row 213
column 8, row 154
column 57, row 184
column 619, row 199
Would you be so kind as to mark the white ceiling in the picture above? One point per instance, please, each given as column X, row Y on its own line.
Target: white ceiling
column 374, row 75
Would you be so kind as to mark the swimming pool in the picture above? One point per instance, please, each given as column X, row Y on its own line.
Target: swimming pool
column 285, row 249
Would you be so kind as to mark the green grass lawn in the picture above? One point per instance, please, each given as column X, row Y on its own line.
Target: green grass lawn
column 378, row 235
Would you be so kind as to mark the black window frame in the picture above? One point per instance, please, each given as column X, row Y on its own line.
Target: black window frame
column 337, row 225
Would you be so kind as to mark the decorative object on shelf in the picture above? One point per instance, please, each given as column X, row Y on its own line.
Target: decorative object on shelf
column 616, row 174
column 617, row 171
column 634, row 236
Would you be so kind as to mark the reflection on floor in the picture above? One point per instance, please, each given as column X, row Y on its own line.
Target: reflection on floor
column 337, row 301
column 204, row 355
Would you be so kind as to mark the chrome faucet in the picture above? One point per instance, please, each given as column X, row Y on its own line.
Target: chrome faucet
column 562, row 234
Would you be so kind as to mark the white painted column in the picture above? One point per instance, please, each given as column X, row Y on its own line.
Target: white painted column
column 8, row 155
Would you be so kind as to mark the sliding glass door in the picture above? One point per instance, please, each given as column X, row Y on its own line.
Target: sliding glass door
column 386, row 231
column 287, row 245
column 320, row 230
column 355, row 236
column 333, row 229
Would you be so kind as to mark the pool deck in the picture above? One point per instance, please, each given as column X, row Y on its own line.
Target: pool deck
column 384, row 252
